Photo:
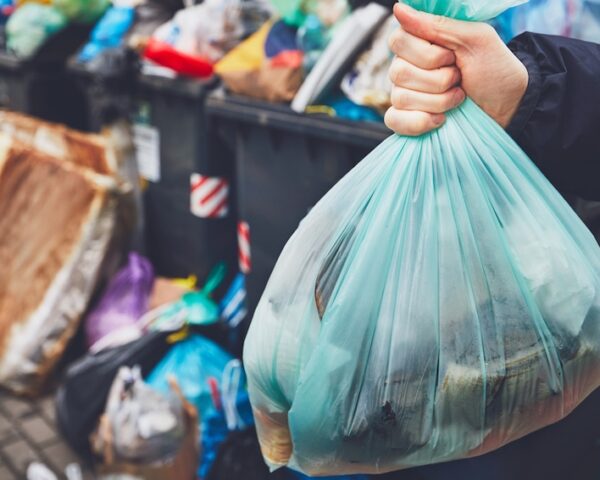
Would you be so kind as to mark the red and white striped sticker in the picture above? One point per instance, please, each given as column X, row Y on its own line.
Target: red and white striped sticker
column 244, row 247
column 209, row 197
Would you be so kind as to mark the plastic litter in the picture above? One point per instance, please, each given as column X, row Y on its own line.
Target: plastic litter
column 115, row 320
column 145, row 426
column 263, row 67
column 81, row 398
column 192, row 362
column 203, row 34
column 31, row 26
column 82, row 11
column 109, row 32
column 347, row 40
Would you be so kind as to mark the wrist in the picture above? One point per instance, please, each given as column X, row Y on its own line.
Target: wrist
column 507, row 110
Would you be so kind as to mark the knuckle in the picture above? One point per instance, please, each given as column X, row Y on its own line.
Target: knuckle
column 400, row 97
column 431, row 58
column 448, row 101
column 396, row 40
column 398, row 72
column 451, row 99
column 446, row 80
column 438, row 57
column 392, row 120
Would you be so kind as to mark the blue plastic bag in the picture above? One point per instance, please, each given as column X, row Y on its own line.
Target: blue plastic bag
column 195, row 363
column 441, row 301
column 192, row 362
column 109, row 32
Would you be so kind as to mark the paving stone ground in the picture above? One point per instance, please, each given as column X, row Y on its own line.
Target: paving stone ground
column 28, row 433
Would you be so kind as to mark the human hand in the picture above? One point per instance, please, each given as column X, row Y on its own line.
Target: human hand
column 439, row 61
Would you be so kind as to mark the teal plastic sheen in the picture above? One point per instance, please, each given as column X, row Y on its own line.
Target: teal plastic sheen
column 441, row 301
column 478, row 10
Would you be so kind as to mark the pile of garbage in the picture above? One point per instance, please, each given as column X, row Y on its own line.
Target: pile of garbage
column 31, row 24
column 155, row 397
column 321, row 56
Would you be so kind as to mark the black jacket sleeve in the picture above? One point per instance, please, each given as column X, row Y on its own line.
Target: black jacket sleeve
column 558, row 122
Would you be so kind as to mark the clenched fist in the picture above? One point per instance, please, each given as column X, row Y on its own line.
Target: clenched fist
column 439, row 61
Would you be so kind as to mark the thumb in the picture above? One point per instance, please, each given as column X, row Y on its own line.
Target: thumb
column 439, row 30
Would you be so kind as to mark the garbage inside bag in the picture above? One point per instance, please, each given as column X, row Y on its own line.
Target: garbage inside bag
column 439, row 302
column 144, row 426
column 109, row 32
column 368, row 82
column 82, row 396
column 30, row 26
column 115, row 321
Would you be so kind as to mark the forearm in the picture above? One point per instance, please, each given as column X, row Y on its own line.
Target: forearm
column 558, row 122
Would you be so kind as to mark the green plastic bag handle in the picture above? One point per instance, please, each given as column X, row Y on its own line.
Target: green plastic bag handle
column 215, row 279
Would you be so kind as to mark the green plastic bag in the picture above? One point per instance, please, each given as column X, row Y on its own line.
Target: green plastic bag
column 193, row 308
column 439, row 302
column 31, row 26
column 82, row 11
column 294, row 12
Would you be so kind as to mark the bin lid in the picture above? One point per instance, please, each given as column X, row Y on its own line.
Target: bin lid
column 280, row 116
column 181, row 86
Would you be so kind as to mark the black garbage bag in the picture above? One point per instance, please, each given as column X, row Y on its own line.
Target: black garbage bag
column 81, row 399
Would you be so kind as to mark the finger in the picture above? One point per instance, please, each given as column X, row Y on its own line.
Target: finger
column 404, row 99
column 443, row 31
column 405, row 75
column 420, row 52
column 412, row 123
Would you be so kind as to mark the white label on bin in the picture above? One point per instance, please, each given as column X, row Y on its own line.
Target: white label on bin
column 147, row 145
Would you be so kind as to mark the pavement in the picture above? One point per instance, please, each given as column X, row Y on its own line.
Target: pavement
column 28, row 433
